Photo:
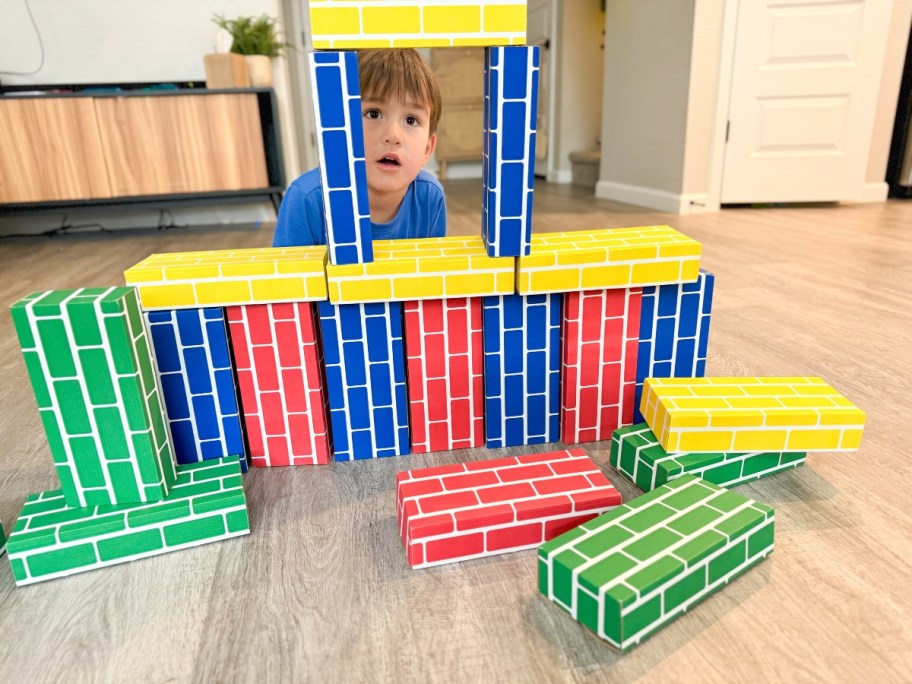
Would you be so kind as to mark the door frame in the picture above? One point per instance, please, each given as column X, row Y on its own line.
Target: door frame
column 730, row 10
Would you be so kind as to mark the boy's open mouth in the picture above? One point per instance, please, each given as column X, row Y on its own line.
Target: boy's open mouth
column 389, row 160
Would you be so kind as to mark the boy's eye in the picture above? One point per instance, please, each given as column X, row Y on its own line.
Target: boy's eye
column 412, row 121
column 372, row 114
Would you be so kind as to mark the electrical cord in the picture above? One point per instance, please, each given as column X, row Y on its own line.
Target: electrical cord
column 28, row 9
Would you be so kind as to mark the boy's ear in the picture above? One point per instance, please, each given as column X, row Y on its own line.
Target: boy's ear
column 431, row 146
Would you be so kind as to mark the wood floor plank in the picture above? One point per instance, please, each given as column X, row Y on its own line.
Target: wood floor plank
column 320, row 590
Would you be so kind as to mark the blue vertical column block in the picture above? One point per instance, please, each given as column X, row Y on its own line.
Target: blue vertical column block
column 674, row 332
column 365, row 379
column 522, row 369
column 340, row 138
column 198, row 385
column 510, row 112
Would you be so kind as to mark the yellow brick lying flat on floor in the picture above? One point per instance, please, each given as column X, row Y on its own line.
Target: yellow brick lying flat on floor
column 609, row 258
column 230, row 277
column 727, row 414
column 345, row 24
column 431, row 268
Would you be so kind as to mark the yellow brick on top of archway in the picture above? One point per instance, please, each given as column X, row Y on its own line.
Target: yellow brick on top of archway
column 348, row 24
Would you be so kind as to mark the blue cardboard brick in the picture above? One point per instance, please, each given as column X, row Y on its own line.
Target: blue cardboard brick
column 674, row 332
column 340, row 139
column 510, row 110
column 365, row 379
column 194, row 364
column 522, row 369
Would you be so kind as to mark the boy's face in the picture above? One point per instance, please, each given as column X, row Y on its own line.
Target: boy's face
column 397, row 143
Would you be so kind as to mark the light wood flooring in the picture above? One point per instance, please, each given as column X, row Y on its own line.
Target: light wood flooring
column 320, row 591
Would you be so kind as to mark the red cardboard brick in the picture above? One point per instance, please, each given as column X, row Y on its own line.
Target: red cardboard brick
column 600, row 335
column 445, row 357
column 456, row 512
column 281, row 384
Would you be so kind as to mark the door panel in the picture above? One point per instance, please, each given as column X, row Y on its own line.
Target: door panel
column 804, row 92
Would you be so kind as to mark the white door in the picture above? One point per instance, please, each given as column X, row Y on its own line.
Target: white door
column 805, row 79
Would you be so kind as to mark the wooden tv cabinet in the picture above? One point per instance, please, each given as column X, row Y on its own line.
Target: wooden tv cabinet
column 95, row 147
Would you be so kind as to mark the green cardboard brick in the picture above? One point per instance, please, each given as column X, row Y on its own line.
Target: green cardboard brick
column 52, row 540
column 2, row 539
column 88, row 358
column 624, row 579
column 637, row 454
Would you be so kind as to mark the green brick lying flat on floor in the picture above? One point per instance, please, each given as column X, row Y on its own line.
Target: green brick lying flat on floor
column 631, row 570
column 89, row 360
column 2, row 539
column 637, row 454
column 206, row 504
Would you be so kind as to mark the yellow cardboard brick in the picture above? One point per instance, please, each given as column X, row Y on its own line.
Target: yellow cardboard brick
column 729, row 414
column 608, row 258
column 430, row 268
column 347, row 24
column 230, row 277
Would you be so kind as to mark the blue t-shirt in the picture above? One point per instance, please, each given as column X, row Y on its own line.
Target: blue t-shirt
column 422, row 213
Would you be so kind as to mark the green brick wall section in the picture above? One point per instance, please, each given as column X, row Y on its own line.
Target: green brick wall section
column 50, row 540
column 637, row 454
column 89, row 361
column 630, row 571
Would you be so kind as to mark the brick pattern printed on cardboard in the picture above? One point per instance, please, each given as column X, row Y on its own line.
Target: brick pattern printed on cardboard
column 197, row 379
column 281, row 383
column 456, row 512
column 365, row 379
column 508, row 166
column 637, row 454
column 627, row 573
column 416, row 23
column 51, row 540
column 445, row 355
column 607, row 258
column 599, row 336
column 522, row 369
column 750, row 414
column 426, row 268
column 230, row 277
column 340, row 137
column 674, row 332
column 89, row 360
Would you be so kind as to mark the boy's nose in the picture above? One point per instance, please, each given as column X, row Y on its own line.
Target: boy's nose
column 393, row 134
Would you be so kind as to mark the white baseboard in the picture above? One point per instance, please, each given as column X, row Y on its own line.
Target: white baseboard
column 874, row 192
column 563, row 176
column 695, row 203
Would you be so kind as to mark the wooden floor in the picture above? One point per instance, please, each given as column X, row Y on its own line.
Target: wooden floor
column 320, row 590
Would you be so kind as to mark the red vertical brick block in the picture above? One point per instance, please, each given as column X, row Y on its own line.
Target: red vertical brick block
column 445, row 356
column 457, row 512
column 599, row 340
column 281, row 383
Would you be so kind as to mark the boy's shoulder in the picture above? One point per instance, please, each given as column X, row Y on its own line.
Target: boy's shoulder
column 426, row 182
column 307, row 183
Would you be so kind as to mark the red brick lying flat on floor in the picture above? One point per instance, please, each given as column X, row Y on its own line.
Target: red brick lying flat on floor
column 456, row 512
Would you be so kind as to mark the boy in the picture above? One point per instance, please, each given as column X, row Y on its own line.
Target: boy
column 400, row 109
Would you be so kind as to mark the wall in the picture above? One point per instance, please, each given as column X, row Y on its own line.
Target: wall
column 644, row 105
column 102, row 41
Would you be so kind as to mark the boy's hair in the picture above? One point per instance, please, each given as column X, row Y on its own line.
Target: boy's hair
column 401, row 73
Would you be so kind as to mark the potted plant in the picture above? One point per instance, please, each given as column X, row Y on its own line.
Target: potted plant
column 258, row 40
